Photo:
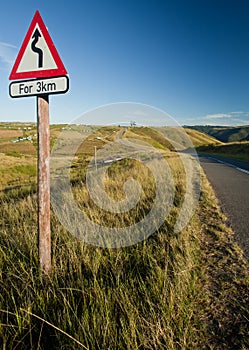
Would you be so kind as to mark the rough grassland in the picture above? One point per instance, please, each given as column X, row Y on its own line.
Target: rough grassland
column 185, row 291
column 172, row 291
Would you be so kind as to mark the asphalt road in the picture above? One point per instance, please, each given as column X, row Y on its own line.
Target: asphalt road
column 231, row 184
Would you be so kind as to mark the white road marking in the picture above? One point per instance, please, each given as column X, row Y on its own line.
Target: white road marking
column 231, row 165
column 243, row 170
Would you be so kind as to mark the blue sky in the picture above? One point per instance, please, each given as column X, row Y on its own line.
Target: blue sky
column 189, row 58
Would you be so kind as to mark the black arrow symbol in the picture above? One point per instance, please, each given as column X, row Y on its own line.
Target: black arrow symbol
column 36, row 37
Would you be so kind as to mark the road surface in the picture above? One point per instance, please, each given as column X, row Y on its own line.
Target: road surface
column 231, row 184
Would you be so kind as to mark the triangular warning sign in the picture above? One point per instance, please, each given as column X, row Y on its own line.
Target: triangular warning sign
column 38, row 57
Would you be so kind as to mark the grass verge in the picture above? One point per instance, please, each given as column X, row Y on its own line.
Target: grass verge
column 237, row 150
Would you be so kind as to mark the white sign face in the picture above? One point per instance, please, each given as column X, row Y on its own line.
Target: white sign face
column 26, row 88
column 37, row 55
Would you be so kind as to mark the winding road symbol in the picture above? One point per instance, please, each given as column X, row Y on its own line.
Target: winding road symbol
column 38, row 57
column 37, row 50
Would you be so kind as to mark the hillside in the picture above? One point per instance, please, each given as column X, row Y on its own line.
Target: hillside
column 223, row 133
column 237, row 150
column 199, row 138
column 180, row 141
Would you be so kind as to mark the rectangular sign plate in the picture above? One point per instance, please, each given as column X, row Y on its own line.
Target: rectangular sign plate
column 35, row 87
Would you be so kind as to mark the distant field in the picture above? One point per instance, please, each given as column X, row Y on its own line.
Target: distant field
column 164, row 139
column 16, row 171
column 18, row 155
column 6, row 135
column 13, row 139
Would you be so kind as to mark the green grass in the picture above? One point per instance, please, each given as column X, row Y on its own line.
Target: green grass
column 17, row 170
column 172, row 291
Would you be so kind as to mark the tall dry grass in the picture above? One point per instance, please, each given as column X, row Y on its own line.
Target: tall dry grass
column 145, row 296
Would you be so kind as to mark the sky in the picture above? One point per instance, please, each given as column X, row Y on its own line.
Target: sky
column 189, row 58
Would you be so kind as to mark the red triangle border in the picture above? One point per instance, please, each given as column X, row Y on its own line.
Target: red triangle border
column 60, row 70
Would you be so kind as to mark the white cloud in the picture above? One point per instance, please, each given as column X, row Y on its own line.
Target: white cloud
column 217, row 116
column 7, row 54
column 222, row 119
column 240, row 112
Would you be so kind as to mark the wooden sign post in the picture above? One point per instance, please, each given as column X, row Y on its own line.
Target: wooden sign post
column 44, row 183
column 39, row 59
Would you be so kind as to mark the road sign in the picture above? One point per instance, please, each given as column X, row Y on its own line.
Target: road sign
column 38, row 57
column 35, row 87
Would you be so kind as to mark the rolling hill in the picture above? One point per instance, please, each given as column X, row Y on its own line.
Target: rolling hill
column 200, row 139
column 224, row 133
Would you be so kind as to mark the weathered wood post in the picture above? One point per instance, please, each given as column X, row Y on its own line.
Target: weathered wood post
column 44, row 183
